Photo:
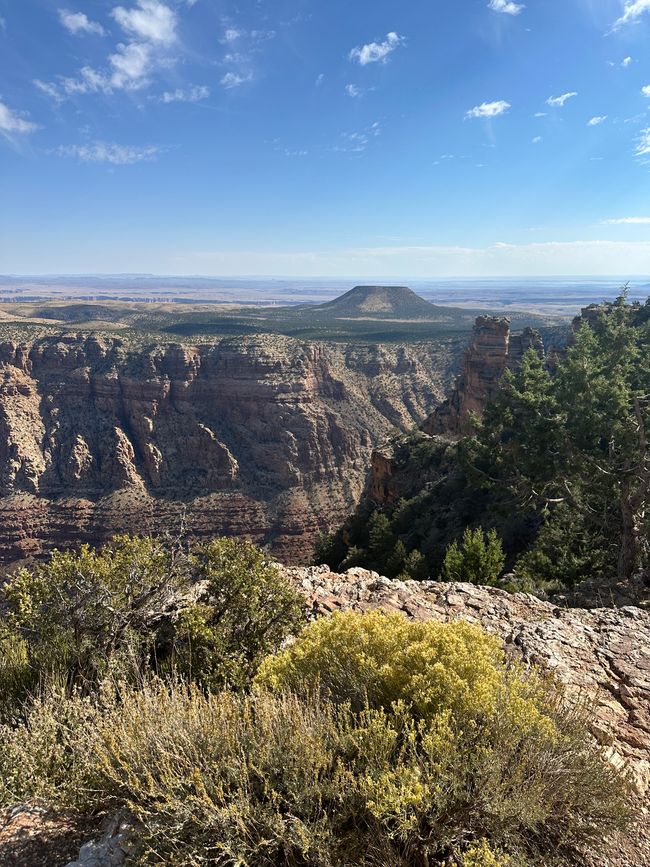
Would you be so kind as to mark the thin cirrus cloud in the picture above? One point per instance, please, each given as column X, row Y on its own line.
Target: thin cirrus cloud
column 12, row 121
column 489, row 109
column 78, row 23
column 353, row 91
column 643, row 144
column 193, row 94
column 235, row 79
column 632, row 13
column 628, row 221
column 376, row 52
column 108, row 152
column 507, row 7
column 560, row 101
column 596, row 121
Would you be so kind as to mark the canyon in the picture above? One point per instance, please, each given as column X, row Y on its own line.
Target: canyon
column 261, row 436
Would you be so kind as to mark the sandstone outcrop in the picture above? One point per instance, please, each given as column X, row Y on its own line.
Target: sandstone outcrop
column 261, row 436
column 492, row 351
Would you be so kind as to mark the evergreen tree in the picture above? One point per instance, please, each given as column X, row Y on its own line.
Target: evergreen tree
column 479, row 559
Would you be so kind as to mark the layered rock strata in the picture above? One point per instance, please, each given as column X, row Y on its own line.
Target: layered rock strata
column 260, row 436
column 492, row 351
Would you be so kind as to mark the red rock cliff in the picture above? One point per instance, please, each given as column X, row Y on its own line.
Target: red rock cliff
column 261, row 436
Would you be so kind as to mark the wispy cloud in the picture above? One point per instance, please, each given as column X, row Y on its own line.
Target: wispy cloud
column 538, row 139
column 596, row 121
column 12, row 121
column 107, row 152
column 541, row 114
column 489, row 109
column 353, row 91
column 149, row 20
column 320, row 79
column 643, row 143
column 633, row 11
column 151, row 29
column 627, row 61
column 376, row 52
column 506, row 6
column 646, row 90
column 232, row 34
column 357, row 142
column 78, row 23
column 628, row 221
column 236, row 79
column 192, row 94
column 559, row 101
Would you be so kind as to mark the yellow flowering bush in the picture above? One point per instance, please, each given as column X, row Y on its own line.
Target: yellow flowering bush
column 377, row 659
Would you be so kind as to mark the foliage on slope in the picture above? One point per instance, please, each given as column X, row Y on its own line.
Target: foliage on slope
column 558, row 466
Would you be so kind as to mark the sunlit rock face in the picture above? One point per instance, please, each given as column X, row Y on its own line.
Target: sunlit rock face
column 261, row 436
column 493, row 349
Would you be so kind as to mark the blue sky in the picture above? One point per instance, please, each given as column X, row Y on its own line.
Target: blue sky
column 296, row 137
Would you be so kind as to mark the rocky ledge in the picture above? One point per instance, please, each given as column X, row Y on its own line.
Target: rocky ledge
column 602, row 654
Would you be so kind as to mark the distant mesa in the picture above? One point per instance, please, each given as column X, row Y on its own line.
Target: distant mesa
column 379, row 302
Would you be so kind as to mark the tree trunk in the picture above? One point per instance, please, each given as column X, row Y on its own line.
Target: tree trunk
column 629, row 553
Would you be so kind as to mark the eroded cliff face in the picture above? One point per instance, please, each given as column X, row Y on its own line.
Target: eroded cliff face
column 261, row 436
column 492, row 351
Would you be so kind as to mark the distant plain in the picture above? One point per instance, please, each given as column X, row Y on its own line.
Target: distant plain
column 193, row 308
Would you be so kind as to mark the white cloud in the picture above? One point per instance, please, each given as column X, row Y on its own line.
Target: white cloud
column 506, row 6
column 131, row 64
column 489, row 109
column 106, row 152
column 541, row 114
column 357, row 142
column 352, row 90
column 376, row 52
column 14, row 122
column 627, row 61
column 320, row 79
column 194, row 94
column 596, row 121
column 646, row 90
column 232, row 34
column 78, row 23
column 497, row 260
column 628, row 221
column 150, row 20
column 49, row 89
column 538, row 139
column 643, row 144
column 559, row 101
column 236, row 79
column 634, row 9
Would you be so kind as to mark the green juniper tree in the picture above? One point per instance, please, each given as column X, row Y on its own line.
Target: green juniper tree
column 578, row 437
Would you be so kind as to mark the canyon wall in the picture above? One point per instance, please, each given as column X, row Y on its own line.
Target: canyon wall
column 262, row 436
column 493, row 349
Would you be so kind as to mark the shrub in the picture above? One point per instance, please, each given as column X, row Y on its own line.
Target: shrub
column 138, row 605
column 85, row 615
column 378, row 659
column 478, row 560
column 249, row 610
column 264, row 780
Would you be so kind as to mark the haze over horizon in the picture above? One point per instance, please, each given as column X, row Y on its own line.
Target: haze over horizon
column 252, row 139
